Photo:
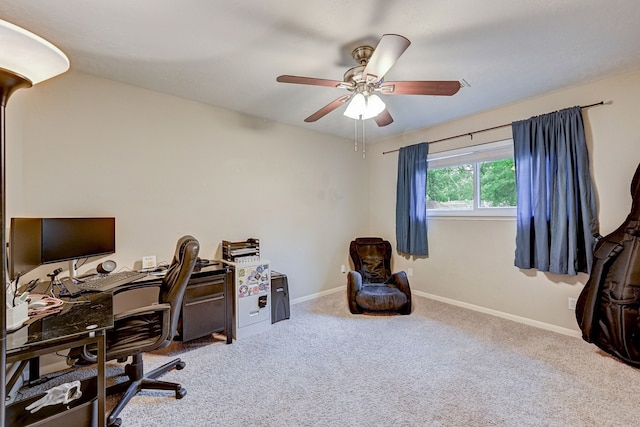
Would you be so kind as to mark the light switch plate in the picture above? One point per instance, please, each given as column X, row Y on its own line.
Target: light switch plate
column 148, row 262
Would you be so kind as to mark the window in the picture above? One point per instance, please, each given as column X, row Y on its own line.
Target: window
column 472, row 181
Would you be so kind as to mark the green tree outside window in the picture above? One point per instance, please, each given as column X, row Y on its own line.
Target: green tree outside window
column 453, row 187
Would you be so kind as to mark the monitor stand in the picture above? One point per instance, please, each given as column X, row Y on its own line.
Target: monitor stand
column 73, row 270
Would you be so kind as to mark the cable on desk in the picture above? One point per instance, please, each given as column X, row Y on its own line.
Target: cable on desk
column 52, row 305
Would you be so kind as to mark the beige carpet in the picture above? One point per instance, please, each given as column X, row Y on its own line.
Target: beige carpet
column 440, row 366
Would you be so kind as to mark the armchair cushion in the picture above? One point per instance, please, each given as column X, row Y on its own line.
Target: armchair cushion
column 379, row 296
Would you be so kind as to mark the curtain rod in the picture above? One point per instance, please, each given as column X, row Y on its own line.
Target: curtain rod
column 470, row 134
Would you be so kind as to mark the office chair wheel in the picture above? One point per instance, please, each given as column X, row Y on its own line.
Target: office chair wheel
column 180, row 365
column 181, row 393
column 116, row 423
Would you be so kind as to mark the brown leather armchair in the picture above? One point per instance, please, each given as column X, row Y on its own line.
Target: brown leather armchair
column 371, row 286
column 149, row 328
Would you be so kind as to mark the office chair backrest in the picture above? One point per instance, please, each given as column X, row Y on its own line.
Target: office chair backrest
column 175, row 281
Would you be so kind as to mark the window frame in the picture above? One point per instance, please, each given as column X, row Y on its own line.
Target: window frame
column 474, row 155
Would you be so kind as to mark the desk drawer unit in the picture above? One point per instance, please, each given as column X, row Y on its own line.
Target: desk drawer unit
column 203, row 307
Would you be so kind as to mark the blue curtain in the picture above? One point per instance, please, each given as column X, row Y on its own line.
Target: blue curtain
column 411, row 200
column 556, row 213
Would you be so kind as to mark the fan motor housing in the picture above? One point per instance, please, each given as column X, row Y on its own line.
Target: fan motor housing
column 354, row 74
column 362, row 54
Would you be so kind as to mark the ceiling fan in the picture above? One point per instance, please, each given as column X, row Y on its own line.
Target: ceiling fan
column 366, row 80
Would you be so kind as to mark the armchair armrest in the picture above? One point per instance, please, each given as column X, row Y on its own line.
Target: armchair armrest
column 354, row 284
column 400, row 281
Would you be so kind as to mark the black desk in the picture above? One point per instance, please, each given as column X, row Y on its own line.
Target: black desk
column 76, row 325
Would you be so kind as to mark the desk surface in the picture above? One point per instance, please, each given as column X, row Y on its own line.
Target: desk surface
column 82, row 321
column 79, row 315
column 86, row 313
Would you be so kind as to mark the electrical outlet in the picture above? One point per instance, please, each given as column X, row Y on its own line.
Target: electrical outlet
column 343, row 269
column 572, row 303
column 409, row 271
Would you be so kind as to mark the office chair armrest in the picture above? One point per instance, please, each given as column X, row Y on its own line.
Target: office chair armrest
column 141, row 311
column 124, row 339
column 139, row 330
column 135, row 294
column 152, row 283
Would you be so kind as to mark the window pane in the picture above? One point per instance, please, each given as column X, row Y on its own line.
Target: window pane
column 450, row 187
column 497, row 184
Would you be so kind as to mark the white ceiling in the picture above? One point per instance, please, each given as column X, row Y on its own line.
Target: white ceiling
column 229, row 53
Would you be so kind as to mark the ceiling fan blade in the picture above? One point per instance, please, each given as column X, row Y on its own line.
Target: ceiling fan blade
column 384, row 118
column 436, row 87
column 386, row 53
column 311, row 81
column 327, row 109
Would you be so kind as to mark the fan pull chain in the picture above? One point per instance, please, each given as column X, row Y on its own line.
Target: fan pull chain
column 355, row 136
column 363, row 141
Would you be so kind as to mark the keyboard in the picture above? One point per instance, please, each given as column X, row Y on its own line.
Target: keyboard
column 105, row 282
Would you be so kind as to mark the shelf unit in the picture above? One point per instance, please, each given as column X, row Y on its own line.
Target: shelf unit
column 247, row 250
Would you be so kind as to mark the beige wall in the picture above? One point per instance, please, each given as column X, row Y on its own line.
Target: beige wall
column 471, row 260
column 164, row 166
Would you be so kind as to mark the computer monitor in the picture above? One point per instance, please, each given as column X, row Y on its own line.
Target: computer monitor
column 65, row 239
column 36, row 241
column 25, row 246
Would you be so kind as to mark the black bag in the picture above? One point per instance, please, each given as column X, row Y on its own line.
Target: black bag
column 608, row 307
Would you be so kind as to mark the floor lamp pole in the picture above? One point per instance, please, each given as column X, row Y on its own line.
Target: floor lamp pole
column 9, row 82
column 26, row 59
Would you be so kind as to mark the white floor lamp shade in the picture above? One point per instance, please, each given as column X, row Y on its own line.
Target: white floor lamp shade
column 28, row 55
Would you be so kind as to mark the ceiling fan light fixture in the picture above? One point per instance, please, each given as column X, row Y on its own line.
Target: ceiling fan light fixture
column 375, row 105
column 364, row 107
column 356, row 107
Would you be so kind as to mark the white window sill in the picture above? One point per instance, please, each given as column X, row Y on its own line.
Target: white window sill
column 484, row 214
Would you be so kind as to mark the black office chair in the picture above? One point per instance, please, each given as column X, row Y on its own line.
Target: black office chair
column 150, row 328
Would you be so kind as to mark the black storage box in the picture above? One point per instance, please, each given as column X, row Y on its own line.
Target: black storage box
column 279, row 297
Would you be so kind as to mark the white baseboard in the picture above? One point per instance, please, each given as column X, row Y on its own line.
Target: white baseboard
column 508, row 316
column 318, row 294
